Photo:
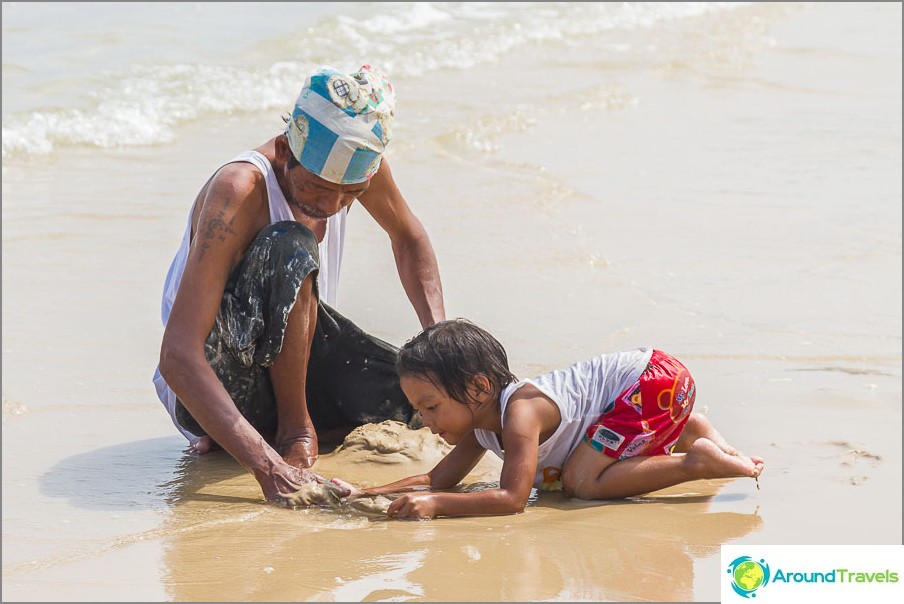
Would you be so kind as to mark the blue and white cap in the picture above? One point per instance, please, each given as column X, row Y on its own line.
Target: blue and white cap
column 342, row 123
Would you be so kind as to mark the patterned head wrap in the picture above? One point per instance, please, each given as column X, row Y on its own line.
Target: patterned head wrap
column 342, row 123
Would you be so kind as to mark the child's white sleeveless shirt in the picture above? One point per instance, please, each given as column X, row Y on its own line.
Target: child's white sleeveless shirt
column 581, row 392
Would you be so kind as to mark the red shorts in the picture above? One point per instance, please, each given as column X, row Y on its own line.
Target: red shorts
column 648, row 417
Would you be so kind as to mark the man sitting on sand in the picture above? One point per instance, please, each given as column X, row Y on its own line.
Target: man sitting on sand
column 252, row 359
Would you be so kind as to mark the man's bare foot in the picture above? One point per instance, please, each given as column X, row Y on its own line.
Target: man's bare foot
column 299, row 449
column 203, row 444
column 707, row 460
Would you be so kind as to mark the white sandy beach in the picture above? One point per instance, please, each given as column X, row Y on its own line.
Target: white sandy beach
column 726, row 187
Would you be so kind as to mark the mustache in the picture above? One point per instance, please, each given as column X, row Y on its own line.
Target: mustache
column 309, row 211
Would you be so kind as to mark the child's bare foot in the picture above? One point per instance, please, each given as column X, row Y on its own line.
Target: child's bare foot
column 698, row 426
column 707, row 459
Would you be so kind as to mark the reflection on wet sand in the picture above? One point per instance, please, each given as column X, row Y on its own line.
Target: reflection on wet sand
column 243, row 549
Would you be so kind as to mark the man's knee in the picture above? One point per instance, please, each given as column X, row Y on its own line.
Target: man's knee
column 288, row 230
column 280, row 266
column 287, row 240
column 282, row 257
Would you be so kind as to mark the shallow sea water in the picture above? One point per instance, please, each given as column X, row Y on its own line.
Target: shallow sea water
column 722, row 182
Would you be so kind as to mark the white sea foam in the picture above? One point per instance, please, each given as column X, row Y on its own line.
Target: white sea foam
column 143, row 100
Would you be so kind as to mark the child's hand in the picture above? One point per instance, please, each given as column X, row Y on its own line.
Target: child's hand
column 347, row 491
column 413, row 505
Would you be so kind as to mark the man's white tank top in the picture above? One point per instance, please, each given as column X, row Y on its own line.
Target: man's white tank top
column 327, row 280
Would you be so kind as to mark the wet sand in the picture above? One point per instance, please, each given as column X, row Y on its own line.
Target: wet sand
column 744, row 216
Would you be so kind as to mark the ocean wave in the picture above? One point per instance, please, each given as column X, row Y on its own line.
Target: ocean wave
column 147, row 104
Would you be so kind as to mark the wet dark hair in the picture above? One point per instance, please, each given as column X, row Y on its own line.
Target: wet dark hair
column 451, row 353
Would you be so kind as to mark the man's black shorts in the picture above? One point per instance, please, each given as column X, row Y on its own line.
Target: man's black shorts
column 351, row 378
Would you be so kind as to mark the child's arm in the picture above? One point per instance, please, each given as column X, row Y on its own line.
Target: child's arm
column 450, row 470
column 520, row 438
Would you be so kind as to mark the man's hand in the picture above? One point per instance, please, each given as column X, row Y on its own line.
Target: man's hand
column 279, row 486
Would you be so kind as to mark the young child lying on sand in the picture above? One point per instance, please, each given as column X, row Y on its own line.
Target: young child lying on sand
column 605, row 428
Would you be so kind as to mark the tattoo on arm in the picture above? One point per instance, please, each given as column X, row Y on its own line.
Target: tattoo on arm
column 215, row 228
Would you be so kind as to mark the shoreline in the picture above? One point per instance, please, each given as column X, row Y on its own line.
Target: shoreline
column 743, row 216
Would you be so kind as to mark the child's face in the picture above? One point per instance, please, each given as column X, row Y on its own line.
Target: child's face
column 444, row 416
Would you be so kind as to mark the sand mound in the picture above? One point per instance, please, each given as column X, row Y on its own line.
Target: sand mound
column 392, row 442
column 372, row 454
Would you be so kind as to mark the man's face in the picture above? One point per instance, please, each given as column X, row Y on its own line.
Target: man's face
column 315, row 197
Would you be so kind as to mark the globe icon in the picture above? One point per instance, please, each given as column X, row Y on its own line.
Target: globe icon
column 748, row 575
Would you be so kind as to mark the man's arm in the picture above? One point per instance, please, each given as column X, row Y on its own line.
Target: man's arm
column 228, row 222
column 414, row 256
